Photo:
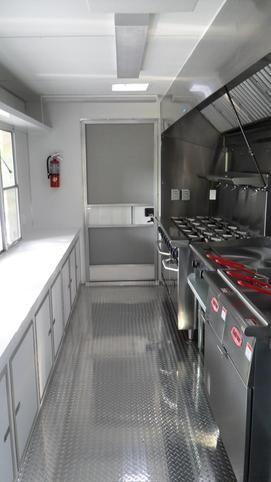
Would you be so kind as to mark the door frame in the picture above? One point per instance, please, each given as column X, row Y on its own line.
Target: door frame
column 156, row 177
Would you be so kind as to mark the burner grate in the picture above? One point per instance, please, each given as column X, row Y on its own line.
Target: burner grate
column 206, row 228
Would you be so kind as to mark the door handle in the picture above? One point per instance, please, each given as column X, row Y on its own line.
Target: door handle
column 167, row 264
column 50, row 331
column 6, row 434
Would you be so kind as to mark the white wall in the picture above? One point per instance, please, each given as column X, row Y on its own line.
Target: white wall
column 64, row 207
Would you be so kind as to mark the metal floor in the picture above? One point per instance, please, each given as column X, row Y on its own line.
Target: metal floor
column 126, row 402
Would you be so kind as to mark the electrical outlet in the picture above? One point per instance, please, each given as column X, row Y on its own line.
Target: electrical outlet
column 185, row 194
column 212, row 194
column 175, row 195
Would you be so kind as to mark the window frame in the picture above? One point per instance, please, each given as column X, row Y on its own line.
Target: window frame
column 5, row 244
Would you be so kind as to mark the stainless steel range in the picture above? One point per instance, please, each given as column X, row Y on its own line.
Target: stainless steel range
column 238, row 364
column 177, row 260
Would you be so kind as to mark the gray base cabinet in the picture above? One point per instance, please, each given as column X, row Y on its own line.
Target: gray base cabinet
column 57, row 313
column 78, row 264
column 23, row 377
column 66, row 291
column 6, row 461
column 44, row 343
column 73, row 283
column 30, row 364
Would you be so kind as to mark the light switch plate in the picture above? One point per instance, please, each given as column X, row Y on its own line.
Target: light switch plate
column 175, row 195
column 212, row 194
column 185, row 194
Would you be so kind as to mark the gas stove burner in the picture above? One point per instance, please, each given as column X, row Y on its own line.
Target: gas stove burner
column 208, row 228
column 193, row 236
column 214, row 238
column 227, row 236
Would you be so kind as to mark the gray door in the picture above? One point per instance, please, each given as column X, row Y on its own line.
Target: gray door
column 120, row 160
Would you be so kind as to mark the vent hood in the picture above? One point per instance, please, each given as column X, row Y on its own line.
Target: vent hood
column 252, row 99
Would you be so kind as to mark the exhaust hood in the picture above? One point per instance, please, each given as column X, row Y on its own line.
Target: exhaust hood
column 252, row 100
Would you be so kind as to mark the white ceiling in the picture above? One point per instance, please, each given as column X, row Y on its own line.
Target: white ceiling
column 66, row 48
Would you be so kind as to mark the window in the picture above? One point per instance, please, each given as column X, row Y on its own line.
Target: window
column 10, row 229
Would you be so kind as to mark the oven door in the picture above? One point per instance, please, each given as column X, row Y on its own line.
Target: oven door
column 170, row 272
column 163, row 252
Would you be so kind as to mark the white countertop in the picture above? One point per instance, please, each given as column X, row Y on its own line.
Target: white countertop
column 25, row 271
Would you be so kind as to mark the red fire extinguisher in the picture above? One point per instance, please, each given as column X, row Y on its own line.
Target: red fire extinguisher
column 53, row 169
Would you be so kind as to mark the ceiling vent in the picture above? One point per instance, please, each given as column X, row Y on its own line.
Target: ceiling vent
column 131, row 39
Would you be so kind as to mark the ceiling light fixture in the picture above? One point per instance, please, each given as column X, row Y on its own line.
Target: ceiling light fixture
column 3, row 113
column 129, row 87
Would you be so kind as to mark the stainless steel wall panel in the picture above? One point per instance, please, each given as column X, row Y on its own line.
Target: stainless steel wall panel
column 245, row 207
column 188, row 152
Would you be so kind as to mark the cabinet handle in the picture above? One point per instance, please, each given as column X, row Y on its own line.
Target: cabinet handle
column 54, row 320
column 17, row 408
column 6, row 434
column 50, row 331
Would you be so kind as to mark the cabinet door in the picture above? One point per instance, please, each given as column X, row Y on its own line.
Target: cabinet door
column 44, row 343
column 78, row 264
column 57, row 312
column 66, row 291
column 6, row 465
column 23, row 377
column 73, row 275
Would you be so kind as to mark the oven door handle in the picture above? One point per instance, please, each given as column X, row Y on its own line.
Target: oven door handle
column 167, row 264
column 161, row 251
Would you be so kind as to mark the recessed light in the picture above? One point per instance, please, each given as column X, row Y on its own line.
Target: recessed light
column 129, row 87
column 3, row 113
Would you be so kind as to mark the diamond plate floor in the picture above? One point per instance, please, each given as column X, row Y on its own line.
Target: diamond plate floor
column 126, row 402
